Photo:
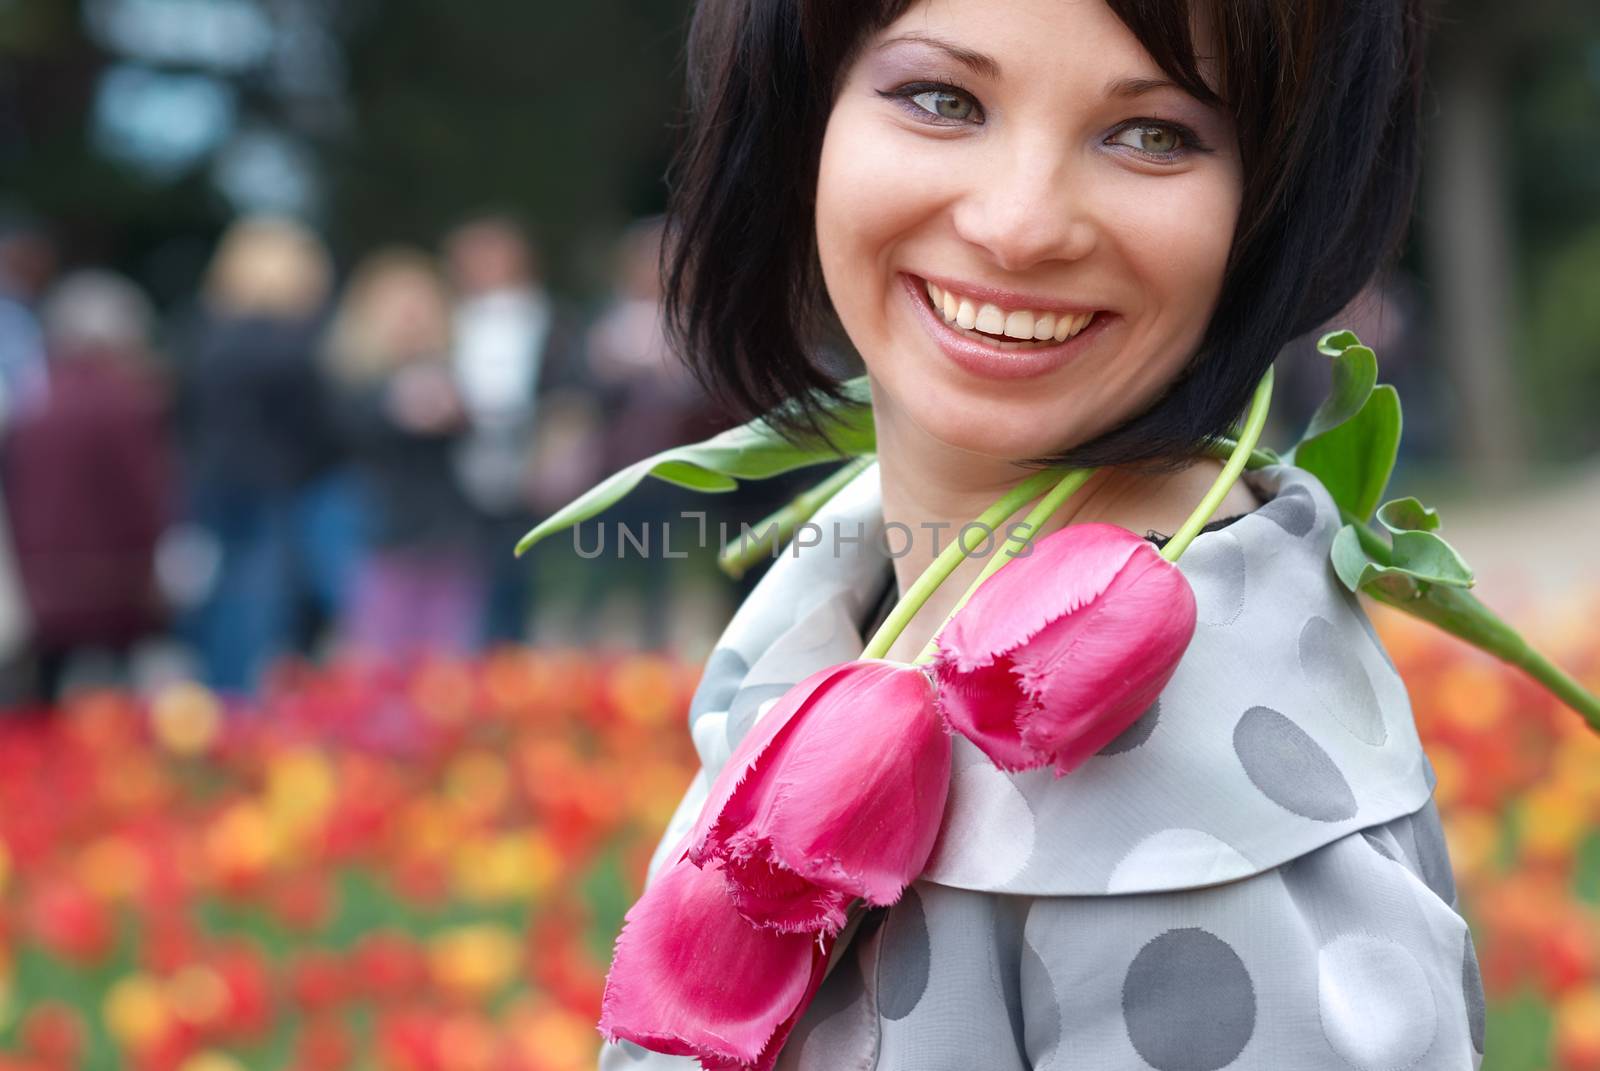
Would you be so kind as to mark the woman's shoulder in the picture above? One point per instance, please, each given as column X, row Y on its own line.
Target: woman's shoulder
column 1284, row 728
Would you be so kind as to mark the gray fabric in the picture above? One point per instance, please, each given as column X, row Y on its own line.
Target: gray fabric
column 1251, row 876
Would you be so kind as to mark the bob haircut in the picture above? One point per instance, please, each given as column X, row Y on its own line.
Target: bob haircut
column 1326, row 98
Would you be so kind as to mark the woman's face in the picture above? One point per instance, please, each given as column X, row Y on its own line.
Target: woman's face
column 1071, row 209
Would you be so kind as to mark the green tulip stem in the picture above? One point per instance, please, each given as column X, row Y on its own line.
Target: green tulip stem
column 1254, row 421
column 952, row 556
column 765, row 538
column 1016, row 545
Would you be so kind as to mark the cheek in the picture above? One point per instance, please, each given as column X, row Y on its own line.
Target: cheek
column 867, row 203
column 1176, row 235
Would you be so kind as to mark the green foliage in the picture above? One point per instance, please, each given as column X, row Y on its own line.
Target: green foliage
column 752, row 451
column 1560, row 362
column 1354, row 436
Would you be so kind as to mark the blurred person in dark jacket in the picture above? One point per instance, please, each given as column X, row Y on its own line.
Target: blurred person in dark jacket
column 419, row 586
column 88, row 478
column 258, row 439
column 650, row 402
column 515, row 349
column 27, row 264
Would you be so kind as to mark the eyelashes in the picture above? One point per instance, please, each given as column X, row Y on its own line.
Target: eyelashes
column 946, row 103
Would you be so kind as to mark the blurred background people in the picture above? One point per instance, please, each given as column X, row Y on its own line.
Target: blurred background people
column 27, row 263
column 88, row 479
column 274, row 530
column 651, row 402
column 513, row 345
column 418, row 585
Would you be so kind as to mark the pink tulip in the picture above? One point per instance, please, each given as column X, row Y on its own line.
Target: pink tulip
column 837, row 793
column 692, row 977
column 1058, row 652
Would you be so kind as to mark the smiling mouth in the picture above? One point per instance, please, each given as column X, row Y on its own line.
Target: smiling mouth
column 1004, row 329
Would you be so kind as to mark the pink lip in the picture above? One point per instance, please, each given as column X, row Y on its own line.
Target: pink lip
column 986, row 361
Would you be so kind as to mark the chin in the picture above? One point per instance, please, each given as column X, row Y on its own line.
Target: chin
column 1002, row 429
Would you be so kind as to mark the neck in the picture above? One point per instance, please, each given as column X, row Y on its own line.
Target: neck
column 931, row 489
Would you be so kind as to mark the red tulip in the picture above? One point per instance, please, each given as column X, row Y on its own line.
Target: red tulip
column 1061, row 650
column 837, row 793
column 692, row 977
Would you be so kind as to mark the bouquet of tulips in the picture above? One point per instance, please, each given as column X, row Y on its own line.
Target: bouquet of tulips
column 1054, row 651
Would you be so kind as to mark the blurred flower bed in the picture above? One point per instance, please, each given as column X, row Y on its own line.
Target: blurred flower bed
column 422, row 870
column 1519, row 792
column 409, row 870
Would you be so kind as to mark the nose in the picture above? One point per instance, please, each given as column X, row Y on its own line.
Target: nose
column 1026, row 211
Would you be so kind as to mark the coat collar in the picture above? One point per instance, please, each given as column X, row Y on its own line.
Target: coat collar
column 1284, row 728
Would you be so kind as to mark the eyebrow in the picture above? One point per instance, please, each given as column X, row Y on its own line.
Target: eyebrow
column 987, row 66
column 1138, row 87
column 978, row 63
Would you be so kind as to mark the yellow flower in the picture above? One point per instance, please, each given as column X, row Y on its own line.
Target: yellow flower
column 242, row 840
column 1553, row 819
column 550, row 1037
column 301, row 790
column 474, row 961
column 112, row 868
column 186, row 718
column 506, row 867
column 136, row 1013
column 211, row 1060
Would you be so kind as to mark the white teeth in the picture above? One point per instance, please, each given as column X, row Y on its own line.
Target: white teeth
column 1019, row 324
column 991, row 321
column 1023, row 324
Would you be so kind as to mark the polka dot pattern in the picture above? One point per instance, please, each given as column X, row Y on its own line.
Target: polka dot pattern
column 1290, row 768
column 1215, row 568
column 982, row 799
column 1188, row 1002
column 1042, row 1028
column 1433, row 855
column 1199, row 852
column 1472, row 992
column 719, row 682
column 1237, row 832
column 1375, row 1002
column 907, row 958
column 1340, row 682
column 1294, row 511
column 1136, row 733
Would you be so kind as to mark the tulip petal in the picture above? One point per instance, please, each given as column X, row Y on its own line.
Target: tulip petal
column 692, row 977
column 843, row 801
column 1101, row 622
column 1007, row 610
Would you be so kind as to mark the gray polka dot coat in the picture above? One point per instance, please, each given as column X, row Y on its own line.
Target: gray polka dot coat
column 1252, row 876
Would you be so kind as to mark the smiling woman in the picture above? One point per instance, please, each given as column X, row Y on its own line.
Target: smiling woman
column 1067, row 232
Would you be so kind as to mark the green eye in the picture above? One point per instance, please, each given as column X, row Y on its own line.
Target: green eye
column 945, row 104
column 1150, row 140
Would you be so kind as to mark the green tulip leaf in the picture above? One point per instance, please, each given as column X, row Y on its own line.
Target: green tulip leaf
column 1355, row 459
column 1355, row 373
column 1407, row 515
column 752, row 451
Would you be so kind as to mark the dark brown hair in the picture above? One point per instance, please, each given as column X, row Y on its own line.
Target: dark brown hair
column 1325, row 95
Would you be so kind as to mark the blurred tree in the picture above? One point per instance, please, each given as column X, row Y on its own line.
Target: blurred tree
column 1498, row 164
column 560, row 112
